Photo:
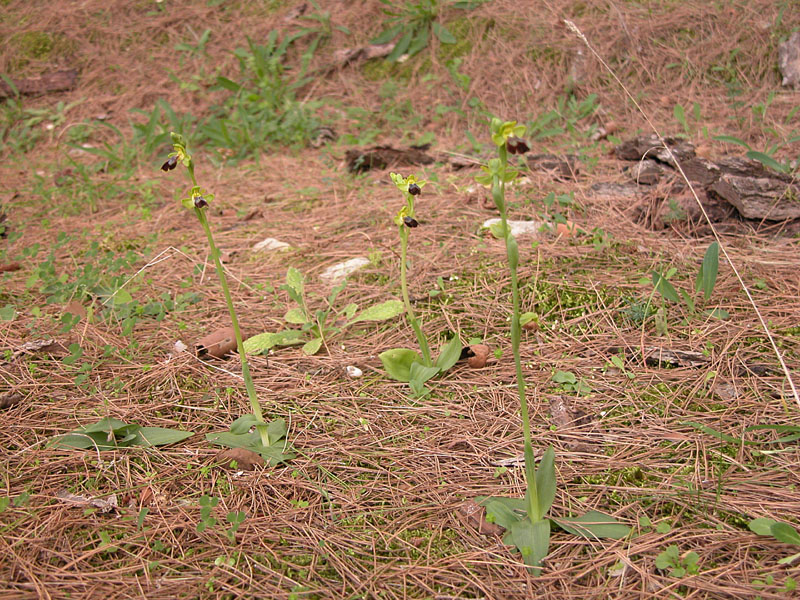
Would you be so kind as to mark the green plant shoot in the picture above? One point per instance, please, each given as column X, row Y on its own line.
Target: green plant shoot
column 525, row 520
column 197, row 201
column 404, row 364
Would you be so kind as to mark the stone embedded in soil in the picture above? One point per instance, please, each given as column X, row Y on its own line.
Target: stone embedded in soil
column 518, row 228
column 789, row 61
column 268, row 244
column 340, row 271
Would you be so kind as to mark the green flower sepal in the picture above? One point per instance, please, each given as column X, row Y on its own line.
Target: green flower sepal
column 502, row 130
column 198, row 198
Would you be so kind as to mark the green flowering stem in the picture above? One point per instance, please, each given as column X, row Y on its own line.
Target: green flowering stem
column 512, row 252
column 198, row 201
column 248, row 380
column 421, row 339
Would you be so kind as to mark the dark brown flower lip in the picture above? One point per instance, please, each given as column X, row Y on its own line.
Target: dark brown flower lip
column 170, row 164
column 410, row 222
column 414, row 189
column 200, row 202
column 516, row 145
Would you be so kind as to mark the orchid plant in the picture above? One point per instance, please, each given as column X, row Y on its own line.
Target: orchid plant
column 525, row 520
column 268, row 439
column 404, row 364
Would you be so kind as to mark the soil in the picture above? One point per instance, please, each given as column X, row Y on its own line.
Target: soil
column 103, row 272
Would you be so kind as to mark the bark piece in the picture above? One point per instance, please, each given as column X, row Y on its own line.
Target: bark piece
column 701, row 171
column 383, row 157
column 660, row 357
column 9, row 267
column 58, row 81
column 648, row 172
column 789, row 61
column 649, row 146
column 216, row 344
column 616, row 191
column 762, row 198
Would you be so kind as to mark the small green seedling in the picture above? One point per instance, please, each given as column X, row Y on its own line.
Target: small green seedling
column 678, row 566
column 525, row 519
column 319, row 325
column 197, row 201
column 414, row 22
column 111, row 434
column 404, row 364
column 207, row 504
column 705, row 281
column 235, row 518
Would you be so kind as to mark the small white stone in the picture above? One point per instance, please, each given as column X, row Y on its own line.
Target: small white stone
column 271, row 244
column 518, row 228
column 340, row 271
column 353, row 371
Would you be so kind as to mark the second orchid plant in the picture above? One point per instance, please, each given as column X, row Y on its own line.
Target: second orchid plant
column 404, row 364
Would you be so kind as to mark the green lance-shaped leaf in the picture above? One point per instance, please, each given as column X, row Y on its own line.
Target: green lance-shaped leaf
column 533, row 541
column 594, row 525
column 783, row 532
column 707, row 276
column 665, row 288
column 449, row 354
column 546, row 483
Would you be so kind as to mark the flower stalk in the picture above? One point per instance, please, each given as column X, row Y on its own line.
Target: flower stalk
column 198, row 202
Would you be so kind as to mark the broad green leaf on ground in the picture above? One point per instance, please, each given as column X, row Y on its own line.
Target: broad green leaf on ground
column 244, row 423
column 273, row 454
column 296, row 316
column 123, row 435
column 762, row 526
column 159, row 436
column 532, row 540
column 312, row 346
column 380, row 312
column 8, row 313
column 594, row 525
column 420, row 373
column 498, row 511
column 398, row 361
column 517, row 504
column 264, row 341
column 783, row 532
